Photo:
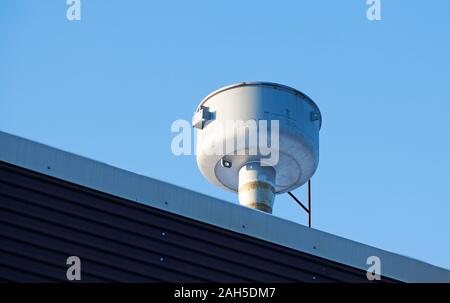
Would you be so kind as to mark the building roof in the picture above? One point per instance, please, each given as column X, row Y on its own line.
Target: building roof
column 131, row 227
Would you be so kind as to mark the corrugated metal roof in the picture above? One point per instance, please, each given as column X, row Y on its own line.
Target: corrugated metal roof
column 54, row 204
column 44, row 220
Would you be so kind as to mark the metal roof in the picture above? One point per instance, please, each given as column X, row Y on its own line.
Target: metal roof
column 182, row 204
column 44, row 220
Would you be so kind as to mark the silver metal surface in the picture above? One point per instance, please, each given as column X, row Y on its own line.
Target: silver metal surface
column 296, row 145
column 268, row 84
column 256, row 186
column 105, row 178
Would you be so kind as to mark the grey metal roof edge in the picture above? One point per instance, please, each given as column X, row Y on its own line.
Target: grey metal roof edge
column 105, row 178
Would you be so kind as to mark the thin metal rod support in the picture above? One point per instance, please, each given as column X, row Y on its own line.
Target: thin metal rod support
column 309, row 203
column 308, row 210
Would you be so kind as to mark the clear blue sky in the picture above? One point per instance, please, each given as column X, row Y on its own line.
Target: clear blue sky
column 109, row 86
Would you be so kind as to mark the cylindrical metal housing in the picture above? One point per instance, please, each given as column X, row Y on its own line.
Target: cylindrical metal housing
column 267, row 124
column 256, row 186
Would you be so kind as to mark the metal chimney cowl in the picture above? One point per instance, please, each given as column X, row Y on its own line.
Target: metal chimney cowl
column 245, row 168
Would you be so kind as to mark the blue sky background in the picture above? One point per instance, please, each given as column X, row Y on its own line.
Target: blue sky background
column 109, row 86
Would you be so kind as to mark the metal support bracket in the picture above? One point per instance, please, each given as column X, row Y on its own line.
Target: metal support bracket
column 200, row 118
column 308, row 210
